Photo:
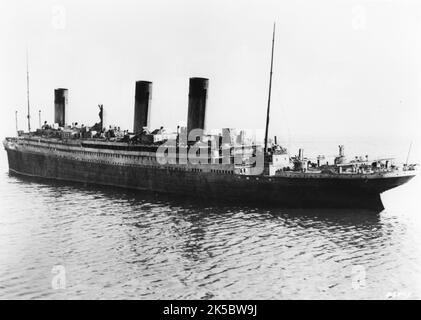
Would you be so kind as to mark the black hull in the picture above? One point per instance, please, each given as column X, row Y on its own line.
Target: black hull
column 286, row 192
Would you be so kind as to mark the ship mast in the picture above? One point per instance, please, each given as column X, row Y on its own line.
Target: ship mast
column 27, row 91
column 409, row 152
column 16, row 122
column 270, row 91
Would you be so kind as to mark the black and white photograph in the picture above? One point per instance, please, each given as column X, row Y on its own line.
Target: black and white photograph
column 227, row 151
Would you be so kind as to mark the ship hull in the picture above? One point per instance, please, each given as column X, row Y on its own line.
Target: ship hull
column 283, row 191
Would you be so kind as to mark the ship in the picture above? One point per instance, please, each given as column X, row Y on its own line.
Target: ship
column 193, row 163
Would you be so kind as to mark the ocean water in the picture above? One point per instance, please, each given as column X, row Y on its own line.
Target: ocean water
column 69, row 241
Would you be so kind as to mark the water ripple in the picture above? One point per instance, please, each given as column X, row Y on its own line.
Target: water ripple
column 123, row 244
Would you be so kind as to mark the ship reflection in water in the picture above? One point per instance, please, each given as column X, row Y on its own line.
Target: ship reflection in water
column 111, row 243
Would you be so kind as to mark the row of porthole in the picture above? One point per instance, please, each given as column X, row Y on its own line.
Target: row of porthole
column 222, row 171
column 156, row 167
column 94, row 153
column 248, row 178
column 112, row 155
column 118, row 163
column 183, row 169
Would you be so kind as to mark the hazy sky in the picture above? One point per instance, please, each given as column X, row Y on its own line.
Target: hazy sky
column 342, row 68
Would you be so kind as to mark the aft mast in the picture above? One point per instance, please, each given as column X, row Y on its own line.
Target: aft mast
column 270, row 91
column 27, row 92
